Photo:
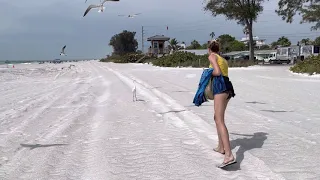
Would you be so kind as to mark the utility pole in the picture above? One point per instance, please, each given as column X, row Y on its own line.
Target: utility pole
column 142, row 40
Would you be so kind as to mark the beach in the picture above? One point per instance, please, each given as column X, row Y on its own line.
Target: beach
column 60, row 122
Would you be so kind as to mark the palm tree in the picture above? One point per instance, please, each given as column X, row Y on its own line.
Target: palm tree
column 173, row 43
column 195, row 44
column 306, row 41
column 212, row 35
column 284, row 41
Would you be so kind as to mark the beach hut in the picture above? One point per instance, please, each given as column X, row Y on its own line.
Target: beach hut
column 158, row 45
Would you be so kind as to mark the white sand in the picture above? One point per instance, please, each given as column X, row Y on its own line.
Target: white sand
column 81, row 123
column 313, row 75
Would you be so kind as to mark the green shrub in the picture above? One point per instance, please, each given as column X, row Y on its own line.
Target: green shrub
column 241, row 63
column 126, row 58
column 310, row 65
column 188, row 59
column 177, row 59
column 183, row 59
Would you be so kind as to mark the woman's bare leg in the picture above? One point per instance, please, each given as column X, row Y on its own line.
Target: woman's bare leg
column 220, row 147
column 220, row 104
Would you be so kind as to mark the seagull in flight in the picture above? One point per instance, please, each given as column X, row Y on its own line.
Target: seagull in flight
column 131, row 15
column 100, row 6
column 62, row 51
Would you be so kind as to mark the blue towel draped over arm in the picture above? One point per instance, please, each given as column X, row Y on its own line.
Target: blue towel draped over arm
column 218, row 86
column 199, row 97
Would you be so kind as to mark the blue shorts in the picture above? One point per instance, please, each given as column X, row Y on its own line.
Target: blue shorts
column 228, row 87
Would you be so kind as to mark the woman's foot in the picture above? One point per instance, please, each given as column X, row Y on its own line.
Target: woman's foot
column 219, row 150
column 228, row 161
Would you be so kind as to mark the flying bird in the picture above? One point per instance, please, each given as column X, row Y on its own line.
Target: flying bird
column 100, row 6
column 131, row 15
column 62, row 51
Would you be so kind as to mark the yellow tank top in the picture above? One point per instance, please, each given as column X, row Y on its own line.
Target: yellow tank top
column 223, row 65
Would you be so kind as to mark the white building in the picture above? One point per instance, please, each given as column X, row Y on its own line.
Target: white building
column 259, row 42
column 182, row 45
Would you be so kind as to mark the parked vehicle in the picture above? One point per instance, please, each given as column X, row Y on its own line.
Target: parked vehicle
column 226, row 57
column 308, row 50
column 286, row 55
column 242, row 57
column 271, row 57
column 292, row 53
column 259, row 58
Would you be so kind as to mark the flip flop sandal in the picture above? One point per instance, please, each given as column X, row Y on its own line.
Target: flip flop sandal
column 215, row 150
column 227, row 164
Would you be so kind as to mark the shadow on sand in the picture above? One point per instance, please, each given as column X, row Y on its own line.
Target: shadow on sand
column 173, row 111
column 156, row 87
column 33, row 146
column 197, row 106
column 140, row 100
column 180, row 91
column 275, row 111
column 246, row 143
column 255, row 102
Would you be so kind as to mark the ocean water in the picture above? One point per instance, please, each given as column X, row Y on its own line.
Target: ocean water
column 34, row 61
column 16, row 62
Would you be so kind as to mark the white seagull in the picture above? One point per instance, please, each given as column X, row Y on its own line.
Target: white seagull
column 134, row 91
column 62, row 51
column 87, row 0
column 100, row 6
column 131, row 15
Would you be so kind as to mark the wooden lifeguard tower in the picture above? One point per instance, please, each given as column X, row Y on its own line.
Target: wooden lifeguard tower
column 158, row 46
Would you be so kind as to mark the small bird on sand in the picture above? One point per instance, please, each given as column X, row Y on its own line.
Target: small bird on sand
column 62, row 51
column 100, row 6
column 134, row 91
column 131, row 15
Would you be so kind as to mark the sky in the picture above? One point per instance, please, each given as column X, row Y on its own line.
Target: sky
column 38, row 30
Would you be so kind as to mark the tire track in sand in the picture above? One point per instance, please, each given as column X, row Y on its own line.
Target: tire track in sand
column 10, row 143
column 83, row 156
column 199, row 127
column 32, row 164
column 143, row 149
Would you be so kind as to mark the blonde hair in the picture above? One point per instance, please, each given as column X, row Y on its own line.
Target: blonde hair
column 214, row 45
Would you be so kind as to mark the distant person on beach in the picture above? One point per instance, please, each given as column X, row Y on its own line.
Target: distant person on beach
column 221, row 99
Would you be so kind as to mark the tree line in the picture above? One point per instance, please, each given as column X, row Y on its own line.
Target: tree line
column 125, row 42
column 284, row 41
column 228, row 43
column 247, row 12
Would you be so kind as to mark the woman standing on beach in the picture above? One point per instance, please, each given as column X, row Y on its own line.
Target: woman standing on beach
column 221, row 99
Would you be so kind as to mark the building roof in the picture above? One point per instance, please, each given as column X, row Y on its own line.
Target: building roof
column 265, row 51
column 159, row 38
column 196, row 51
column 235, row 53
column 255, row 38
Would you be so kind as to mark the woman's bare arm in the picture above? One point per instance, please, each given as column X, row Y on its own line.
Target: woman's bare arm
column 214, row 63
